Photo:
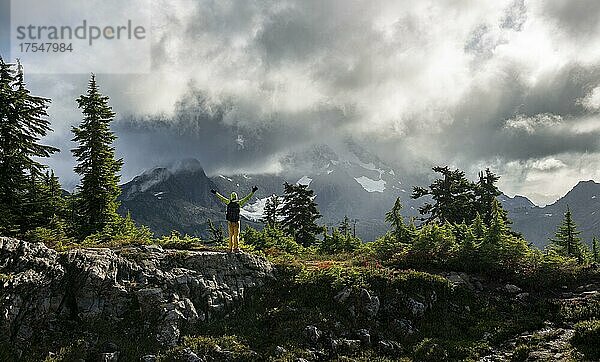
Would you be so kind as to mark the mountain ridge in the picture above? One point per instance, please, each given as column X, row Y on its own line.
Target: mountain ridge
column 176, row 197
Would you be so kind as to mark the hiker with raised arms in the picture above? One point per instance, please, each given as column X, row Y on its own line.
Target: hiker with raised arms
column 233, row 216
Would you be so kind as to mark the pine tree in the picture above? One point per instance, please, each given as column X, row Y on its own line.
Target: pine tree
column 272, row 209
column 566, row 240
column 299, row 214
column 595, row 250
column 479, row 229
column 486, row 192
column 344, row 228
column 23, row 122
column 453, row 198
column 97, row 194
column 402, row 233
column 497, row 230
column 216, row 233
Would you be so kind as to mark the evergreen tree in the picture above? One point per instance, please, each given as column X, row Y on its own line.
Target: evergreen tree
column 497, row 230
column 486, row 192
column 595, row 250
column 216, row 233
column 23, row 122
column 271, row 213
column 453, row 198
column 402, row 233
column 97, row 194
column 479, row 228
column 566, row 240
column 344, row 228
column 299, row 214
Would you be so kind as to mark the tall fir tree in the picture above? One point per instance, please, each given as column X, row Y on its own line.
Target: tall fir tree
column 401, row 232
column 96, row 163
column 566, row 240
column 23, row 122
column 452, row 195
column 497, row 230
column 344, row 227
column 272, row 210
column 299, row 214
column 595, row 250
column 486, row 192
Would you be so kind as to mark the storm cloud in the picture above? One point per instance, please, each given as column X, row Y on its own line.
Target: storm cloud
column 240, row 84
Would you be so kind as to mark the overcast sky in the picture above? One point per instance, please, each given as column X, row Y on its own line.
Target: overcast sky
column 513, row 85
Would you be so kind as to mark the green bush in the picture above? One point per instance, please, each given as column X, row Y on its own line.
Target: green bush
column 122, row 231
column 586, row 337
column 215, row 348
column 520, row 353
column 54, row 235
column 270, row 238
column 176, row 241
column 338, row 242
column 429, row 350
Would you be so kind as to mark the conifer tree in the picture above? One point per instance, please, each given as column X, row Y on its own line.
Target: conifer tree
column 299, row 214
column 453, row 198
column 497, row 230
column 96, row 163
column 23, row 122
column 216, row 232
column 400, row 230
column 272, row 210
column 566, row 240
column 486, row 192
column 479, row 229
column 595, row 250
column 344, row 227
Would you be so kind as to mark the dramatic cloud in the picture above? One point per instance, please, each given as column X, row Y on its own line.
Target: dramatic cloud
column 240, row 84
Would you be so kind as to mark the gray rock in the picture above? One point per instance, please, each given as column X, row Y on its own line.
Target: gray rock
column 370, row 303
column 522, row 297
column 188, row 356
column 416, row 308
column 168, row 289
column 148, row 358
column 345, row 345
column 280, row 351
column 405, row 326
column 312, row 333
column 388, row 347
column 364, row 336
column 108, row 357
column 343, row 295
column 511, row 288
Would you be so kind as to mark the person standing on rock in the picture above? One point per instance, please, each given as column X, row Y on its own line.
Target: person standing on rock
column 233, row 216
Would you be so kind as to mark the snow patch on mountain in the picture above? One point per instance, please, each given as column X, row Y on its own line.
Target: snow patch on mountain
column 255, row 210
column 305, row 180
column 371, row 185
column 371, row 167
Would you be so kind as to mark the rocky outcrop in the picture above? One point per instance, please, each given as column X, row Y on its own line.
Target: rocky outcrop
column 43, row 290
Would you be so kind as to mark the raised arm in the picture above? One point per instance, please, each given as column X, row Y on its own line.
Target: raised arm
column 248, row 197
column 221, row 197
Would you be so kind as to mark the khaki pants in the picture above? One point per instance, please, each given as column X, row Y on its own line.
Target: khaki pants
column 234, row 234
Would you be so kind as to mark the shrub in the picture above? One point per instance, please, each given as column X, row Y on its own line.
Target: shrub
column 586, row 337
column 123, row 231
column 338, row 242
column 176, row 241
column 213, row 348
column 55, row 235
column 269, row 238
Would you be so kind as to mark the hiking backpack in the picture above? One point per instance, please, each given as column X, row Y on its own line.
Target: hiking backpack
column 233, row 211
